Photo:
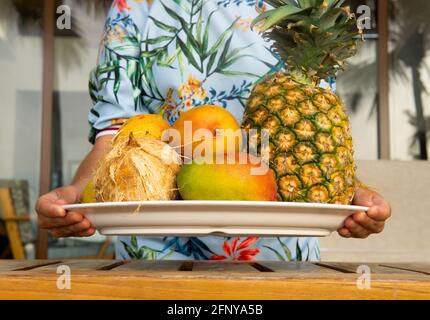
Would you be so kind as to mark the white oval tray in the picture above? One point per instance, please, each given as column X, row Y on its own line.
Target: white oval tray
column 226, row 218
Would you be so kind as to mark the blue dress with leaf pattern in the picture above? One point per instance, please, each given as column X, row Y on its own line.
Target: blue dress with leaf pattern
column 172, row 55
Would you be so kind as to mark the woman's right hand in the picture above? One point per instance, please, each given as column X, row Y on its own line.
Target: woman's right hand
column 59, row 222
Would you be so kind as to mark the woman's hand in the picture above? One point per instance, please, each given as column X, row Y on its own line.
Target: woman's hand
column 59, row 222
column 53, row 217
column 362, row 224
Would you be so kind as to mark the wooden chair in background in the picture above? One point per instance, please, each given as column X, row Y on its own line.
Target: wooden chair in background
column 11, row 221
column 16, row 231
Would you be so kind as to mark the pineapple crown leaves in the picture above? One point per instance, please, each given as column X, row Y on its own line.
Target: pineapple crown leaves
column 313, row 37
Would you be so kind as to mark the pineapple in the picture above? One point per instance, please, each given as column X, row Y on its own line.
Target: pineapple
column 310, row 149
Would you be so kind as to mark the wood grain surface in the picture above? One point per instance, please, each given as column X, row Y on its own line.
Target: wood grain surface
column 115, row 279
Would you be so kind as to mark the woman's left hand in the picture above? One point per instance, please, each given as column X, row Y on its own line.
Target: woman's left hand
column 362, row 224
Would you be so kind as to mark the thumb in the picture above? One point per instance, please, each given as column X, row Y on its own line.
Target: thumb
column 363, row 197
column 61, row 202
column 50, row 204
column 66, row 195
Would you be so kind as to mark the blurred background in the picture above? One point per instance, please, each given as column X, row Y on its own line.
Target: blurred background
column 44, row 103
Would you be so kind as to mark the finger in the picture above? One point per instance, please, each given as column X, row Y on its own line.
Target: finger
column 47, row 206
column 344, row 232
column 356, row 230
column 71, row 230
column 379, row 212
column 368, row 223
column 363, row 197
column 67, row 194
column 87, row 233
column 50, row 204
column 70, row 219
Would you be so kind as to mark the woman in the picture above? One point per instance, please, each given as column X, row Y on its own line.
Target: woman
column 169, row 56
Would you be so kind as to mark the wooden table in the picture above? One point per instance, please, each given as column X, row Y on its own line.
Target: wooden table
column 114, row 279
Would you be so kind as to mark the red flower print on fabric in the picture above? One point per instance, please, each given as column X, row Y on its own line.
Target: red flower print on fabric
column 241, row 251
column 121, row 5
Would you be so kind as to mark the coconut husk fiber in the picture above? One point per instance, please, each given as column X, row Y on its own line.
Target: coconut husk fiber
column 137, row 170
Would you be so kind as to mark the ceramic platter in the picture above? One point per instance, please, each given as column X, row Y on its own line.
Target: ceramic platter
column 223, row 218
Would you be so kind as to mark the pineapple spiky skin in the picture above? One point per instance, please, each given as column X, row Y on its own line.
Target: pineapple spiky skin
column 310, row 149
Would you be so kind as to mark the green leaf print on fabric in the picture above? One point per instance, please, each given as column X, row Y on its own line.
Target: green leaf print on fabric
column 143, row 252
column 286, row 256
column 194, row 43
column 163, row 26
column 188, row 42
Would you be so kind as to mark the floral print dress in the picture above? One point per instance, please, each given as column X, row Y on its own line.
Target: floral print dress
column 167, row 57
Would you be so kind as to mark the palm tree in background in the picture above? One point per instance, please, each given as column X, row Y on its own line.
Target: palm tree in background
column 409, row 39
column 32, row 10
column 25, row 17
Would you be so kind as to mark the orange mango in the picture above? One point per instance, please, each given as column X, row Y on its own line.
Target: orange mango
column 240, row 177
column 144, row 126
column 206, row 129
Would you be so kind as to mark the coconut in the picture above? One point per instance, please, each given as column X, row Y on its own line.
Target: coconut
column 137, row 169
